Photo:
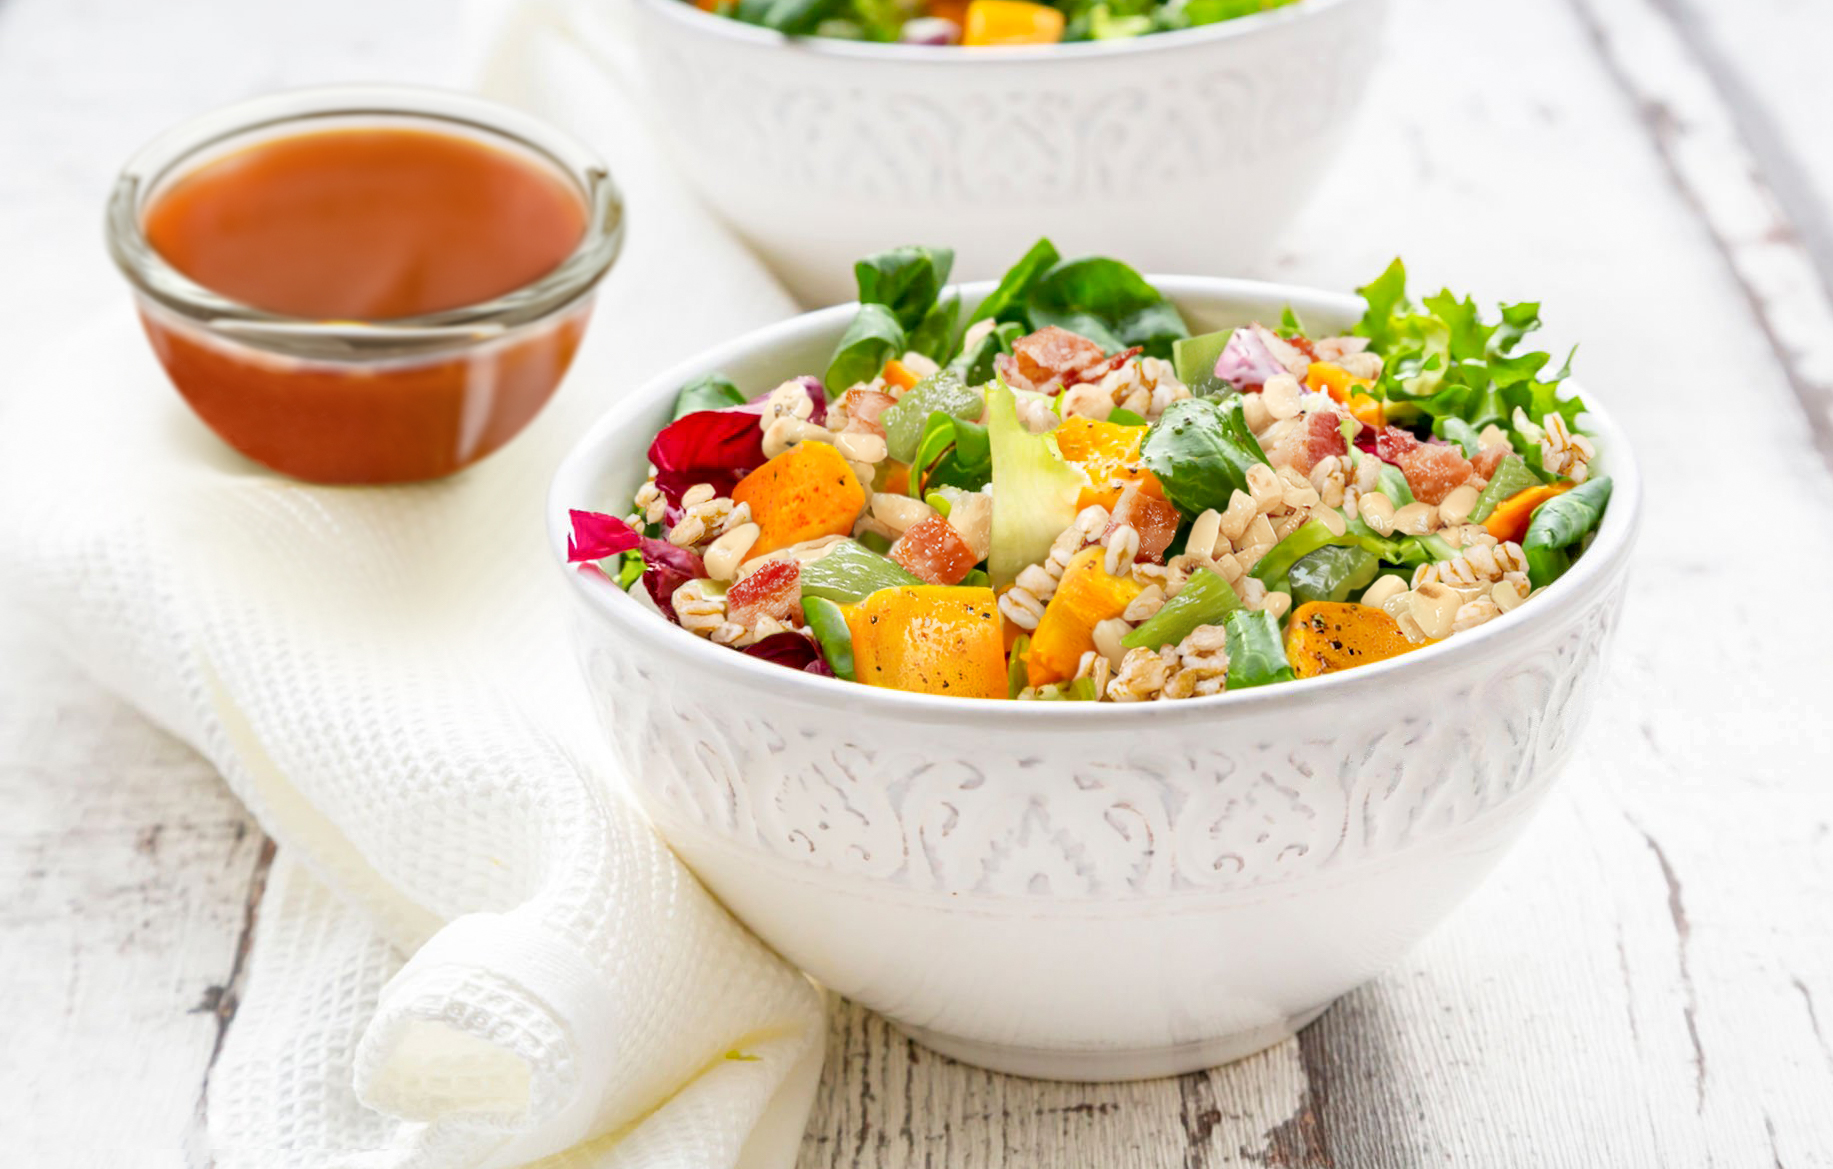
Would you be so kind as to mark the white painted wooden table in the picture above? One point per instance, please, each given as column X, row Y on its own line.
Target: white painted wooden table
column 1647, row 981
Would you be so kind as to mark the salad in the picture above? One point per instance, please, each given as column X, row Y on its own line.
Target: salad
column 982, row 22
column 1068, row 497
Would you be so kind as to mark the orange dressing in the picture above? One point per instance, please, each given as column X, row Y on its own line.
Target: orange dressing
column 367, row 224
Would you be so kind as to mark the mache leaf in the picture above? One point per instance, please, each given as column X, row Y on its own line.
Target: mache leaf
column 871, row 339
column 1107, row 302
column 905, row 280
column 1006, row 303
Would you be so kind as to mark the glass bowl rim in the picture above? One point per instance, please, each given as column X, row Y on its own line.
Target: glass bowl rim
column 158, row 283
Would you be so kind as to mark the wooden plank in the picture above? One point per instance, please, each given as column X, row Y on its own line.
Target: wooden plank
column 886, row 1101
column 1768, row 61
column 126, row 875
column 1697, row 111
column 1644, row 981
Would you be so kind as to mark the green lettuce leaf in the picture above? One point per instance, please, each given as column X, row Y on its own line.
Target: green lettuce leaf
column 1443, row 360
column 1006, row 303
column 952, row 452
column 1200, row 450
column 873, row 338
column 1034, row 490
column 906, row 281
column 1107, row 302
column 714, row 391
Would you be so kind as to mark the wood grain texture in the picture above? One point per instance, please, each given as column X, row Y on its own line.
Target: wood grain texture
column 1647, row 980
column 127, row 873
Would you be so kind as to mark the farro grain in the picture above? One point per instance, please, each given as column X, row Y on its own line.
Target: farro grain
column 1259, row 534
column 1122, row 548
column 728, row 552
column 688, row 532
column 1203, row 532
column 1108, row 635
column 1239, row 514
column 899, row 513
column 1474, row 613
column 1434, row 607
column 861, row 447
column 1021, row 607
column 1254, row 412
column 1384, row 589
column 1280, row 394
column 1457, row 506
column 1377, row 511
column 1149, row 601
column 1416, row 519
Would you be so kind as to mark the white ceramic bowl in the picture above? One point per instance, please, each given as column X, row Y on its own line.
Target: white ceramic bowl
column 1077, row 891
column 1181, row 151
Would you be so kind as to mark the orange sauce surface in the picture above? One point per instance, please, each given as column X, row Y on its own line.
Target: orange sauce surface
column 367, row 224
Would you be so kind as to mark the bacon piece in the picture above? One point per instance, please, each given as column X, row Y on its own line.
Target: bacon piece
column 863, row 408
column 1053, row 353
column 1389, row 444
column 1153, row 518
column 1304, row 447
column 933, row 550
column 1433, row 469
column 1100, row 369
column 1489, row 458
column 1295, row 360
column 773, row 590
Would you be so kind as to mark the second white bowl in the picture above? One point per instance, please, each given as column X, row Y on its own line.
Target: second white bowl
column 1182, row 151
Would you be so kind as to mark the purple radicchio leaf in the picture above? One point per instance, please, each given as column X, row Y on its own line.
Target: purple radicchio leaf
column 666, row 568
column 596, row 536
column 719, row 447
column 930, row 30
column 1245, row 362
column 795, row 650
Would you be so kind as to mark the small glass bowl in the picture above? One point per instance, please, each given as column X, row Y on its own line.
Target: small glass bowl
column 389, row 401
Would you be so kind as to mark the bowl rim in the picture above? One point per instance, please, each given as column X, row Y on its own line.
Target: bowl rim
column 709, row 23
column 200, row 140
column 1592, row 574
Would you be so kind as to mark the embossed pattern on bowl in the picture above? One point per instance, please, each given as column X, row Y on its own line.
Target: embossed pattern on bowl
column 1178, row 150
column 1090, row 892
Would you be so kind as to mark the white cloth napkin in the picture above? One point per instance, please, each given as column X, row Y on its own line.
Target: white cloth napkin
column 471, row 951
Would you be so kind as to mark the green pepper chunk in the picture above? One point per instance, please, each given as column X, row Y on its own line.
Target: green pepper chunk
column 1205, row 599
column 1256, row 655
column 1461, row 432
column 1300, row 542
column 1560, row 523
column 1393, row 483
column 1511, row 478
column 875, row 542
column 1017, row 677
column 830, row 629
column 1195, row 361
column 943, row 393
column 849, row 571
column 1332, row 573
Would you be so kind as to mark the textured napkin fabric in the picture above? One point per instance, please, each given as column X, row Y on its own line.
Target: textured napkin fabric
column 471, row 952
